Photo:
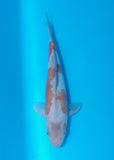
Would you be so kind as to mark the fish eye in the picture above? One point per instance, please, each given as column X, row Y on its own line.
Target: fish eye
column 48, row 133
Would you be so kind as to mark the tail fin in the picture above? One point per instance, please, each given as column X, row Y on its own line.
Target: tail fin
column 49, row 27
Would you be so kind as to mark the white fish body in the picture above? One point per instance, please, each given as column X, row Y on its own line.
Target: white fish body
column 55, row 109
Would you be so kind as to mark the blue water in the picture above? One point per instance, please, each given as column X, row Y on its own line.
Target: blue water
column 85, row 34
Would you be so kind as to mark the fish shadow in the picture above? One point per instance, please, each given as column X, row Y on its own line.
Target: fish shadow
column 66, row 83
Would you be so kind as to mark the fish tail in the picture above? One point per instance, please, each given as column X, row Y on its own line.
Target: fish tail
column 48, row 24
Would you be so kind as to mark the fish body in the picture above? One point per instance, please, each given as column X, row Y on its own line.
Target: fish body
column 56, row 109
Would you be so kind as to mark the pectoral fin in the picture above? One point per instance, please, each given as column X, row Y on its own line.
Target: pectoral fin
column 40, row 108
column 74, row 108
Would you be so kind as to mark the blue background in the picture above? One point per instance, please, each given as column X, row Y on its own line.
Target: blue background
column 85, row 33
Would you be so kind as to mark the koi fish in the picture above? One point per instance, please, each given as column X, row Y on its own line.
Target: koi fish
column 56, row 109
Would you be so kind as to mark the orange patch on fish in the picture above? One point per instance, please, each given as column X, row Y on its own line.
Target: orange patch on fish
column 49, row 92
column 62, row 98
column 53, row 72
column 51, row 47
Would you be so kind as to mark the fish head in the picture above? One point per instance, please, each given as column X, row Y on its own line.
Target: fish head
column 56, row 132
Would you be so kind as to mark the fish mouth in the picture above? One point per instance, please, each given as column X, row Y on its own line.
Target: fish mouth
column 56, row 142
